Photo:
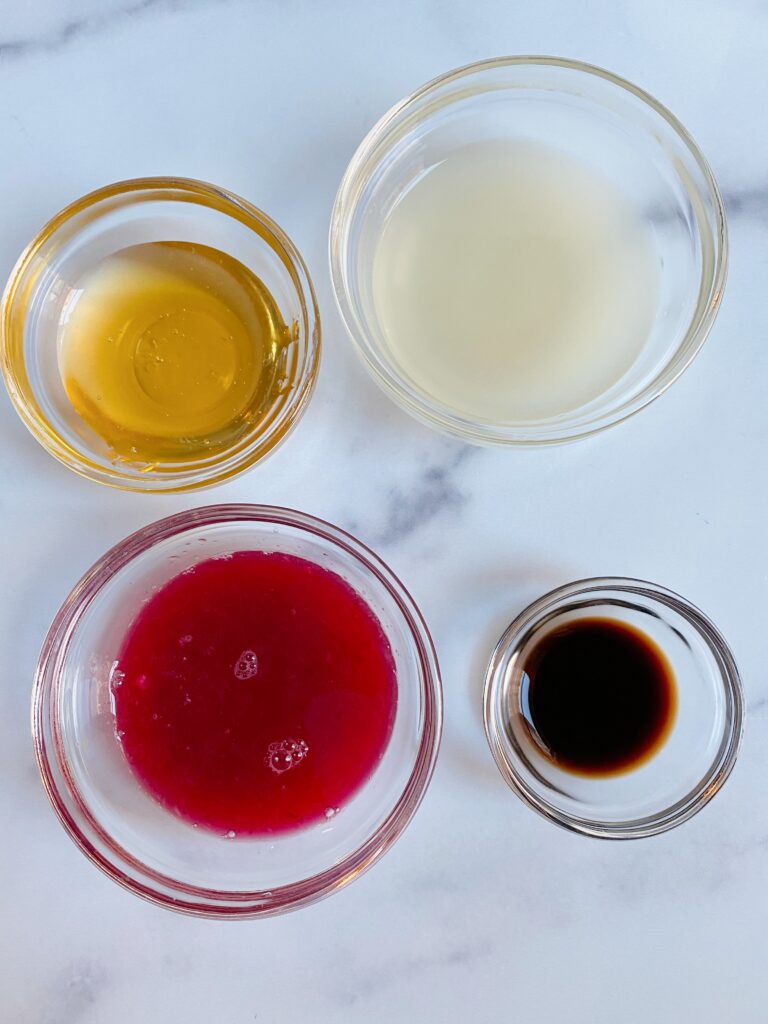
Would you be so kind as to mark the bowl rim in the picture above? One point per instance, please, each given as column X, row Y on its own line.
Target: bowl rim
column 228, row 463
column 533, row 433
column 722, row 765
column 117, row 862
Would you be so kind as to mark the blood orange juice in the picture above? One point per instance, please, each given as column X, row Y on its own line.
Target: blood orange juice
column 254, row 693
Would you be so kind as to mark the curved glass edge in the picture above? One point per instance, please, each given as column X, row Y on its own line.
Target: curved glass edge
column 721, row 767
column 230, row 462
column 525, row 434
column 117, row 863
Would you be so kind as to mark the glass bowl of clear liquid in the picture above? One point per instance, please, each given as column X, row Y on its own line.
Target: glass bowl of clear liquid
column 527, row 250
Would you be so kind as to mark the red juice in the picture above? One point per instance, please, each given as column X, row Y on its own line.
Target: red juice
column 255, row 694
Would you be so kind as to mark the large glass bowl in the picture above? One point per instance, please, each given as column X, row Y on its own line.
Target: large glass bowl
column 128, row 834
column 604, row 123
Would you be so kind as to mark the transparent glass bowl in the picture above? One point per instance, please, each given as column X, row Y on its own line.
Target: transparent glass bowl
column 599, row 119
column 696, row 757
column 96, row 226
column 133, row 838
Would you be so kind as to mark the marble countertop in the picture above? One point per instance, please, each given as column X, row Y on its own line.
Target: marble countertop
column 482, row 911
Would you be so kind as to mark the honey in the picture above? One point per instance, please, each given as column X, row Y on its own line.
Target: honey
column 170, row 351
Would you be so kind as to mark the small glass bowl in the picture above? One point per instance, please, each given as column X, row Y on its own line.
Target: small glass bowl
column 98, row 225
column 130, row 836
column 697, row 755
column 603, row 122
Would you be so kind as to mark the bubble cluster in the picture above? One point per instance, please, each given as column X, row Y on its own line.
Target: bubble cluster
column 286, row 754
column 116, row 676
column 247, row 665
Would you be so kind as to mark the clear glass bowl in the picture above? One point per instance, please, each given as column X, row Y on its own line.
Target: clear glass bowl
column 100, row 224
column 696, row 757
column 126, row 832
column 604, row 122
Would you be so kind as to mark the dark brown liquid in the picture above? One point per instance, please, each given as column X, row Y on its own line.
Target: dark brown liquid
column 601, row 696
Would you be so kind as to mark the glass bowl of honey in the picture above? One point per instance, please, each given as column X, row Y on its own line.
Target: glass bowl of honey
column 527, row 250
column 160, row 334
column 614, row 708
column 229, row 757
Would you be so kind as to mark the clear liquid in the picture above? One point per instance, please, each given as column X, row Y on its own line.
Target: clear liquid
column 512, row 283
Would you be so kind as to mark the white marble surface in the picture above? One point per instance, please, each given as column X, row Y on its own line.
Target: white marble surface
column 482, row 911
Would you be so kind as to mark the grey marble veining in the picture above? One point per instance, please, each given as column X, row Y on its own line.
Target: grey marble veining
column 75, row 994
column 47, row 40
column 434, row 491
column 748, row 203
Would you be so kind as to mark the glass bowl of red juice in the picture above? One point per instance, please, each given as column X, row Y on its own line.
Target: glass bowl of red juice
column 237, row 710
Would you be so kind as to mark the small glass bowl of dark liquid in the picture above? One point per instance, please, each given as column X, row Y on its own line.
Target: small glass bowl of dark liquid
column 614, row 708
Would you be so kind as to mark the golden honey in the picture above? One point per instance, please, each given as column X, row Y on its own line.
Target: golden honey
column 170, row 351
